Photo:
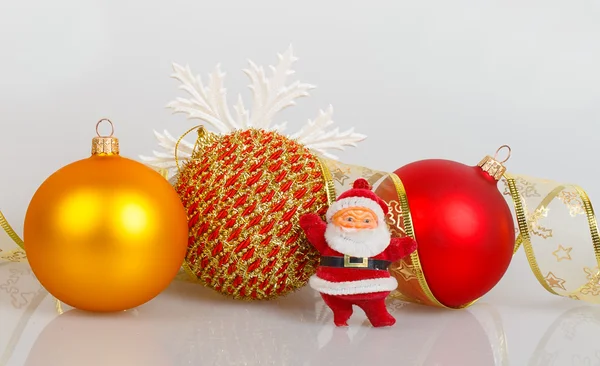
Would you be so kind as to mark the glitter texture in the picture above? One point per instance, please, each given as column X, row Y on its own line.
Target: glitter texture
column 244, row 193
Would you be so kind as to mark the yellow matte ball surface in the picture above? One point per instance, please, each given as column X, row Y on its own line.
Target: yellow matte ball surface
column 105, row 233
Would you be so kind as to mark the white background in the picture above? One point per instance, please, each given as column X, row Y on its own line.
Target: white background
column 423, row 79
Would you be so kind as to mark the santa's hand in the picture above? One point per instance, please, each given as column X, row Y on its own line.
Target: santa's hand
column 401, row 247
column 314, row 228
column 310, row 220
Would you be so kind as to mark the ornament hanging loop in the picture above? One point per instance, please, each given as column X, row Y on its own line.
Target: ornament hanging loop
column 112, row 127
column 498, row 152
column 105, row 145
column 179, row 141
column 492, row 166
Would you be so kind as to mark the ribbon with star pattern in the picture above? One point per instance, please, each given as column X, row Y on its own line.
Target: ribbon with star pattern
column 7, row 252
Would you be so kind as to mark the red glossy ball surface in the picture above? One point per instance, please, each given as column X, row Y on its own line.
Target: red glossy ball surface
column 463, row 226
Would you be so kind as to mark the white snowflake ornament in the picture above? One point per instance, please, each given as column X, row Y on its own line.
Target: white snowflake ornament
column 270, row 95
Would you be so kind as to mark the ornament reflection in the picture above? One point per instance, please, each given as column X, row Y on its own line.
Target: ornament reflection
column 427, row 337
column 78, row 338
column 572, row 339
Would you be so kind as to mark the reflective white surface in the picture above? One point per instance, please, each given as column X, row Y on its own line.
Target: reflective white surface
column 191, row 325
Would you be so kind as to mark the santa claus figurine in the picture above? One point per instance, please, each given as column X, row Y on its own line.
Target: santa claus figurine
column 356, row 249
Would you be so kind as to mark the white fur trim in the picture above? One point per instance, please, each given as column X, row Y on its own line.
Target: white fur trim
column 355, row 202
column 353, row 287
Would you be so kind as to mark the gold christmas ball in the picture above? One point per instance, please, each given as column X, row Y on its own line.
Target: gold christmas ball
column 244, row 193
column 105, row 233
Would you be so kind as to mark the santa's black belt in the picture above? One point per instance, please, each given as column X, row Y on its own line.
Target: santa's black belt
column 355, row 262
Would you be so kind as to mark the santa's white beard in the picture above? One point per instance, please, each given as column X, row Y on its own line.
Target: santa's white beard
column 358, row 242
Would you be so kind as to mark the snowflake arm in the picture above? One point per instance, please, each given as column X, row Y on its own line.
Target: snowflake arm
column 208, row 104
column 166, row 159
column 315, row 137
column 271, row 95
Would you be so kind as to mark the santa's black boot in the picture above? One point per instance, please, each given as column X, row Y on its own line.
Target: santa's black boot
column 342, row 309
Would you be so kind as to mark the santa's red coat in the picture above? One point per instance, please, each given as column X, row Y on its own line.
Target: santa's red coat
column 352, row 281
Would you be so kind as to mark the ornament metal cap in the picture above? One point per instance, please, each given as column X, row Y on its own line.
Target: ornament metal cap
column 105, row 145
column 205, row 138
column 494, row 167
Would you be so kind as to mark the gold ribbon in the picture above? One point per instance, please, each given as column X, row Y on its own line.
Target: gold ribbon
column 563, row 263
column 15, row 255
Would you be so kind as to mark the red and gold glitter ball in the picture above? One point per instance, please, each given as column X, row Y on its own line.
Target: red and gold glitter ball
column 244, row 193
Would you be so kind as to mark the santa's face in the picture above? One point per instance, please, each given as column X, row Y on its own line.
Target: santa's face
column 357, row 232
column 355, row 218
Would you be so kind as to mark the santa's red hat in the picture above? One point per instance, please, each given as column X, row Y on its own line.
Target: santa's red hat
column 360, row 195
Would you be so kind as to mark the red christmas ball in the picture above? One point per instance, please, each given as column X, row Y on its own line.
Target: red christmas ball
column 463, row 226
